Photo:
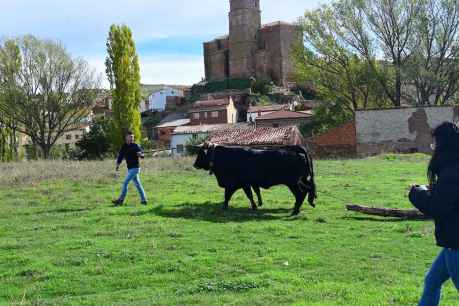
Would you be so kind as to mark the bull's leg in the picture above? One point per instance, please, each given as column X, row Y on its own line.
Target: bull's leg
column 258, row 192
column 249, row 194
column 228, row 194
column 299, row 196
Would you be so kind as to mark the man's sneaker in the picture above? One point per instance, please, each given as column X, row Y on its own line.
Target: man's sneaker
column 144, row 203
column 117, row 202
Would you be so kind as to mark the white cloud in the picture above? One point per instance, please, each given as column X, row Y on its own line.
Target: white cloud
column 183, row 70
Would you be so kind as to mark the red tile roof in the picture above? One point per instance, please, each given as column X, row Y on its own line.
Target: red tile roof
column 267, row 108
column 206, row 128
column 210, row 103
column 284, row 114
column 258, row 137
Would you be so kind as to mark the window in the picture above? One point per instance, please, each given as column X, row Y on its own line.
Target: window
column 68, row 137
column 179, row 148
column 77, row 136
column 214, row 115
column 162, row 133
column 276, row 125
column 195, row 115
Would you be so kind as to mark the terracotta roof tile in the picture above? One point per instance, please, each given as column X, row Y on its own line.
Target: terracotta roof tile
column 258, row 137
column 206, row 128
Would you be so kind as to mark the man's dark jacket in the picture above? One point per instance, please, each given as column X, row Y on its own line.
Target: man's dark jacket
column 442, row 204
column 129, row 152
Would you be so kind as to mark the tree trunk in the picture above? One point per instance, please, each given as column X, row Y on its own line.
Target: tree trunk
column 407, row 214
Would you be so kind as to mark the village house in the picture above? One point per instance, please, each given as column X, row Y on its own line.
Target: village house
column 73, row 135
column 165, row 130
column 216, row 111
column 102, row 108
column 283, row 118
column 156, row 101
column 258, row 111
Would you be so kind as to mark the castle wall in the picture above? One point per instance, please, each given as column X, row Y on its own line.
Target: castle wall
column 273, row 58
column 251, row 50
column 245, row 21
column 216, row 59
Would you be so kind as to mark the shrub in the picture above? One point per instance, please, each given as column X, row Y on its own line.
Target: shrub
column 192, row 145
column 97, row 143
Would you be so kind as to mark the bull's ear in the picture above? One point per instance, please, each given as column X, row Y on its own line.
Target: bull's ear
column 205, row 145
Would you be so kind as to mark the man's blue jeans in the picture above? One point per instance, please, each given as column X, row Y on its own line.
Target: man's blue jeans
column 133, row 175
column 446, row 266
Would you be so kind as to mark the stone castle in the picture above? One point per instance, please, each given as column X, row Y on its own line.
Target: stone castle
column 250, row 49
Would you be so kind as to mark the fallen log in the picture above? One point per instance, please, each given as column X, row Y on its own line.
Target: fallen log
column 407, row 214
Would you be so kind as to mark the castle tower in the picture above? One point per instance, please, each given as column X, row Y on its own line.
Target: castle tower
column 244, row 25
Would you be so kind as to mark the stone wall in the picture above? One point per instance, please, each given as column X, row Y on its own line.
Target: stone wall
column 403, row 130
column 216, row 59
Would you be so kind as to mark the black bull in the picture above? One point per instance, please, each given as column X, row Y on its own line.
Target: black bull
column 237, row 168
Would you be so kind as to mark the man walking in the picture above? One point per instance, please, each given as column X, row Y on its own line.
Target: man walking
column 131, row 152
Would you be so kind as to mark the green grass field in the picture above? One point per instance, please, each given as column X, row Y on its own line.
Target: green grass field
column 61, row 243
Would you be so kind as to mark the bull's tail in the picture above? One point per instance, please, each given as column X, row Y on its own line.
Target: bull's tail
column 307, row 183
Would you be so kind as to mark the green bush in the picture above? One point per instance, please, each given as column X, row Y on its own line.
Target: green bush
column 262, row 87
column 192, row 145
column 238, row 84
column 97, row 143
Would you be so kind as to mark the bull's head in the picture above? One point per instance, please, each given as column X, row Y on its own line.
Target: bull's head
column 203, row 161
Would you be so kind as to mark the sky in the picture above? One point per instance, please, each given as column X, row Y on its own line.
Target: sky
column 168, row 33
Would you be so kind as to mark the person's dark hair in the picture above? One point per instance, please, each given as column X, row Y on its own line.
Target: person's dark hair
column 128, row 133
column 446, row 150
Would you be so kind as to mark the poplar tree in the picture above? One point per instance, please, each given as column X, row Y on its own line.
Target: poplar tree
column 123, row 73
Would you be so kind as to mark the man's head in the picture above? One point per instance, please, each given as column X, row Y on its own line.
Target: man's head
column 129, row 137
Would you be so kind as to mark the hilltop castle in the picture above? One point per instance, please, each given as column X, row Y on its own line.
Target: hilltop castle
column 250, row 49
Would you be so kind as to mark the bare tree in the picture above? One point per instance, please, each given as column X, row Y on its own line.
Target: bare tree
column 384, row 30
column 434, row 67
column 50, row 94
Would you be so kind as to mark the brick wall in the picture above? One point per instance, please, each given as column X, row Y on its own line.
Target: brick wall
column 338, row 142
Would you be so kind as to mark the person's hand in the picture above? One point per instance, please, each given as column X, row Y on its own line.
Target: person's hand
column 140, row 154
column 117, row 168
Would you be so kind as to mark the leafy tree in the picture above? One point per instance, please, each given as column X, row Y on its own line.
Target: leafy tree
column 97, row 143
column 46, row 92
column 123, row 72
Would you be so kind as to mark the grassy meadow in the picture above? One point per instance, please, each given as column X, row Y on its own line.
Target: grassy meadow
column 62, row 243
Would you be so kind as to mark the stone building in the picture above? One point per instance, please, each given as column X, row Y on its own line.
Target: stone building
column 251, row 49
column 216, row 111
column 283, row 118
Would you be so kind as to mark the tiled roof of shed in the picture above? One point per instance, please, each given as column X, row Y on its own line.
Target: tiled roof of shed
column 258, row 137
column 206, row 128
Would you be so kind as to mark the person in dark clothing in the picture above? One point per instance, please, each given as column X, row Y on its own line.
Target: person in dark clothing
column 131, row 152
column 440, row 201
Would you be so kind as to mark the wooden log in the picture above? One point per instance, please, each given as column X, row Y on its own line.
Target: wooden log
column 407, row 214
